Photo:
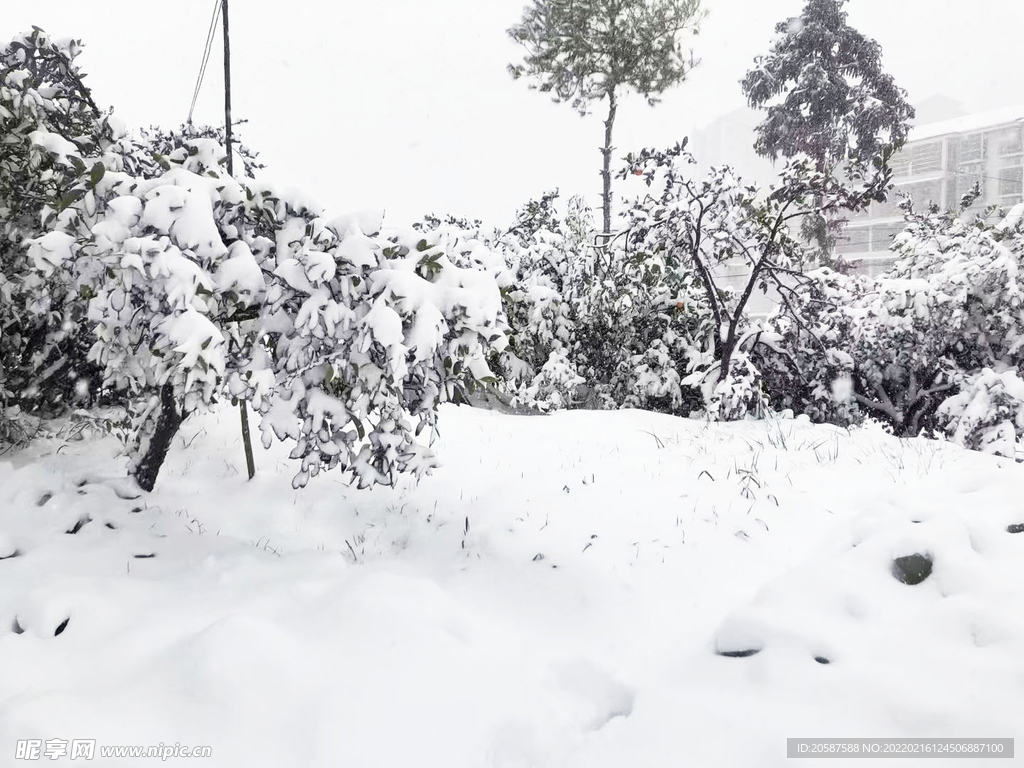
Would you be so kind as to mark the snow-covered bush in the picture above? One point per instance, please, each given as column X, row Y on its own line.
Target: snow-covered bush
column 540, row 265
column 52, row 135
column 200, row 286
column 950, row 307
column 556, row 385
column 805, row 363
column 365, row 334
column 548, row 260
column 656, row 382
column 57, row 146
column 987, row 414
column 738, row 394
column 701, row 228
column 593, row 324
column 639, row 330
column 191, row 286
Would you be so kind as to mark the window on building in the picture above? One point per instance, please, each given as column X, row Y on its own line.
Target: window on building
column 1011, row 185
column 1009, row 144
column 872, row 266
column 882, row 236
column 918, row 159
column 854, row 240
column 875, row 267
column 969, row 175
column 971, row 151
column 927, row 158
column 971, row 148
column 923, row 193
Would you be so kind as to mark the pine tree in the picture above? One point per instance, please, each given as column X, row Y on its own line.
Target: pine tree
column 827, row 97
column 585, row 51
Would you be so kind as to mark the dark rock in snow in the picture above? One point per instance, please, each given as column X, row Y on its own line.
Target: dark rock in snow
column 741, row 654
column 1015, row 528
column 912, row 569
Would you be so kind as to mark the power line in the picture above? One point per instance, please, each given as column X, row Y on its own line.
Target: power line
column 983, row 176
column 210, row 34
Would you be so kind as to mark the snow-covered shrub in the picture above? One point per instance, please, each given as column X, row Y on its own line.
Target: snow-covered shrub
column 803, row 357
column 540, row 265
column 52, row 135
column 987, row 414
column 548, row 259
column 200, row 286
column 893, row 339
column 620, row 319
column 737, row 395
column 195, row 287
column 640, row 322
column 366, row 333
column 57, row 146
column 950, row 307
column 555, row 385
column 656, row 382
column 704, row 228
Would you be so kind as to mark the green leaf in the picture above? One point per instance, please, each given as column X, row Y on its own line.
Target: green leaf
column 96, row 174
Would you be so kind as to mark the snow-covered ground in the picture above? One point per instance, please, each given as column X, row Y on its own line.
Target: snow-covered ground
column 559, row 593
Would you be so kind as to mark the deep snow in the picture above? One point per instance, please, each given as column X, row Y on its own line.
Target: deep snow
column 554, row 595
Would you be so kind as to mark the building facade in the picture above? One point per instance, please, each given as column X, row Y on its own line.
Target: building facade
column 939, row 164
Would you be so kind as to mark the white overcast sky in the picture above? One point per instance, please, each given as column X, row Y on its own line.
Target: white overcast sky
column 406, row 104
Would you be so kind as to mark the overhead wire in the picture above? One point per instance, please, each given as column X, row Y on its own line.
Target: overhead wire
column 210, row 35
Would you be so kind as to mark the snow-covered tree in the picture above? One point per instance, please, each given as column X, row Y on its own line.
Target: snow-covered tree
column 202, row 287
column 826, row 97
column 699, row 226
column 586, row 51
column 191, row 286
column 950, row 309
column 52, row 136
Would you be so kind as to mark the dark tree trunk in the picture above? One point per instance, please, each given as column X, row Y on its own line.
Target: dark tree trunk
column 818, row 232
column 606, row 173
column 167, row 425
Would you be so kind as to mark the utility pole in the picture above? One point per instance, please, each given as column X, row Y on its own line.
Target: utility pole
column 243, row 410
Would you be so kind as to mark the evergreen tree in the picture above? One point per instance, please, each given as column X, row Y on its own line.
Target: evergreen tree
column 827, row 97
column 585, row 51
